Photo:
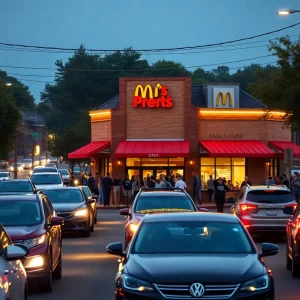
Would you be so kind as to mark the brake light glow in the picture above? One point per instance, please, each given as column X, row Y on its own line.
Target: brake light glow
column 294, row 205
column 245, row 207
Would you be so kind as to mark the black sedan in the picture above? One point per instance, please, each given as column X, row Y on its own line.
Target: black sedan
column 74, row 207
column 184, row 255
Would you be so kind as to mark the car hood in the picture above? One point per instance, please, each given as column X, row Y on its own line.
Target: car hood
column 189, row 268
column 24, row 232
column 48, row 186
column 60, row 207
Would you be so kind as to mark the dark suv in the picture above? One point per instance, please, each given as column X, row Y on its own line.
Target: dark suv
column 30, row 220
column 156, row 201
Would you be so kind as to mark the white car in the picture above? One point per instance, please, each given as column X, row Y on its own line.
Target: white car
column 13, row 276
column 47, row 180
column 4, row 175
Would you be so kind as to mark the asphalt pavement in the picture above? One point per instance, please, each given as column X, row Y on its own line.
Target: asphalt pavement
column 89, row 272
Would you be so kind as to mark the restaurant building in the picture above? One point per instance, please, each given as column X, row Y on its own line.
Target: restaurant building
column 163, row 125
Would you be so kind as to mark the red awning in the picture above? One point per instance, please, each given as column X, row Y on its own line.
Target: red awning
column 237, row 149
column 153, row 149
column 281, row 145
column 89, row 150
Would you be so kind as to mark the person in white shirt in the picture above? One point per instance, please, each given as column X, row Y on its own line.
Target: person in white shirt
column 180, row 184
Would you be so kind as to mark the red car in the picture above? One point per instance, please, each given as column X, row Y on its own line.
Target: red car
column 30, row 220
column 293, row 240
column 156, row 201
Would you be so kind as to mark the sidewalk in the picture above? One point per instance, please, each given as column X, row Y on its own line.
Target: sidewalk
column 207, row 206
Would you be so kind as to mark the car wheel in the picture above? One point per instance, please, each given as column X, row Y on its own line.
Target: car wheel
column 57, row 273
column 92, row 226
column 295, row 267
column 87, row 231
column 96, row 218
column 47, row 284
column 26, row 291
column 288, row 259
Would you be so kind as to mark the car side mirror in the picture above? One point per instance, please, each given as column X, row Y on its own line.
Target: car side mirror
column 269, row 249
column 290, row 210
column 202, row 209
column 116, row 249
column 56, row 221
column 13, row 252
column 124, row 211
column 91, row 201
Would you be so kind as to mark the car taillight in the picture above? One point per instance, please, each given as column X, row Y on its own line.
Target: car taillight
column 245, row 207
column 294, row 205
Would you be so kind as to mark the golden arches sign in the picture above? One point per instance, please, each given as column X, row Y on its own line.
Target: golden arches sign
column 224, row 98
column 148, row 89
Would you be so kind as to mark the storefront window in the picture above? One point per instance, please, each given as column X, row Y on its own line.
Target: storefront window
column 273, row 167
column 154, row 162
column 103, row 166
column 132, row 172
column 133, row 162
column 233, row 169
column 176, row 161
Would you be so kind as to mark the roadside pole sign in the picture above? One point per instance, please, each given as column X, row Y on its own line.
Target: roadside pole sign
column 36, row 135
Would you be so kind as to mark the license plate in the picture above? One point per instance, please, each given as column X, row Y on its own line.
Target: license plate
column 271, row 212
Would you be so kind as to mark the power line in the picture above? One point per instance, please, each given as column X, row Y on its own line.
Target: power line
column 152, row 50
column 137, row 70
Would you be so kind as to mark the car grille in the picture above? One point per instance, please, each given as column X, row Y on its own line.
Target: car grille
column 212, row 291
column 65, row 215
column 16, row 242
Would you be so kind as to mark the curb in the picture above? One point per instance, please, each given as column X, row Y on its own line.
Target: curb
column 207, row 206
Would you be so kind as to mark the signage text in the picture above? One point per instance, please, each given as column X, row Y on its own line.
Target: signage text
column 157, row 97
column 225, row 135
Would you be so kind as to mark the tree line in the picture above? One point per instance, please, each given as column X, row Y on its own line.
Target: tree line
column 87, row 80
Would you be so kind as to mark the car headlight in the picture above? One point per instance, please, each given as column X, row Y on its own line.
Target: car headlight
column 34, row 262
column 30, row 172
column 257, row 284
column 135, row 284
column 35, row 241
column 133, row 227
column 11, row 168
column 76, row 181
column 81, row 213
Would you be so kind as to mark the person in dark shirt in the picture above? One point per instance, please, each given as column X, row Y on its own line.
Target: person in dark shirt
column 127, row 189
column 91, row 182
column 117, row 189
column 151, row 183
column 220, row 192
column 245, row 182
column 107, row 185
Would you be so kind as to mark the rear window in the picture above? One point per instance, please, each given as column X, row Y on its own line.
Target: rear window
column 16, row 186
column 64, row 196
column 148, row 204
column 45, row 170
column 270, row 196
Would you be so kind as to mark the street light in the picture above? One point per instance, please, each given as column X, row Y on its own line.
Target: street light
column 285, row 12
column 8, row 84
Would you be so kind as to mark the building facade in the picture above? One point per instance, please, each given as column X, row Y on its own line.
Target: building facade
column 163, row 125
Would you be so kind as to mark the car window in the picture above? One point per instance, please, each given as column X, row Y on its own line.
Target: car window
column 64, row 196
column 47, row 211
column 192, row 237
column 87, row 191
column 46, row 179
column 44, row 170
column 270, row 196
column 4, row 174
column 16, row 186
column 4, row 241
column 20, row 213
column 64, row 172
column 147, row 204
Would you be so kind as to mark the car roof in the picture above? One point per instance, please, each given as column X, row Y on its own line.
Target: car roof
column 271, row 187
column 17, row 180
column 162, row 193
column 45, row 173
column 64, row 188
column 27, row 197
column 197, row 216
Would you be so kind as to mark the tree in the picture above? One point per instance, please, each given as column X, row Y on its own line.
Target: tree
column 20, row 92
column 166, row 68
column 280, row 90
column 10, row 118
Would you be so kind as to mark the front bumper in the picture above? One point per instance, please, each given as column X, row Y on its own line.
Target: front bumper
column 75, row 224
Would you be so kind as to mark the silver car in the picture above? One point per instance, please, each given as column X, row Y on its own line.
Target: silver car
column 13, row 276
column 260, row 208
column 4, row 175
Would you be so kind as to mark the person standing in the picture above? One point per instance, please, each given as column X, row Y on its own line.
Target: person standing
column 96, row 190
column 151, row 183
column 91, row 182
column 246, row 181
column 100, row 189
column 117, row 189
column 180, row 184
column 135, row 185
column 107, row 186
column 127, row 189
column 197, row 188
column 220, row 192
column 296, row 187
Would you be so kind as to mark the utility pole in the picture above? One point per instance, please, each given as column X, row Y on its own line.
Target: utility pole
column 46, row 146
column 32, row 154
column 16, row 158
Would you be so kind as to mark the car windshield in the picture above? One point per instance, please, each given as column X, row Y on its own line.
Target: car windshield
column 20, row 213
column 12, row 186
column 86, row 191
column 45, row 170
column 270, row 196
column 64, row 195
column 27, row 160
column 76, row 169
column 4, row 174
column 46, row 179
column 192, row 237
column 63, row 172
column 148, row 204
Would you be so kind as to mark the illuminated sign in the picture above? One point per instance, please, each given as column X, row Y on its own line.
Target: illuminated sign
column 152, row 97
column 224, row 98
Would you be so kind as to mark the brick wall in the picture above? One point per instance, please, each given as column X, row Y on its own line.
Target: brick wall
column 257, row 170
column 101, row 131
